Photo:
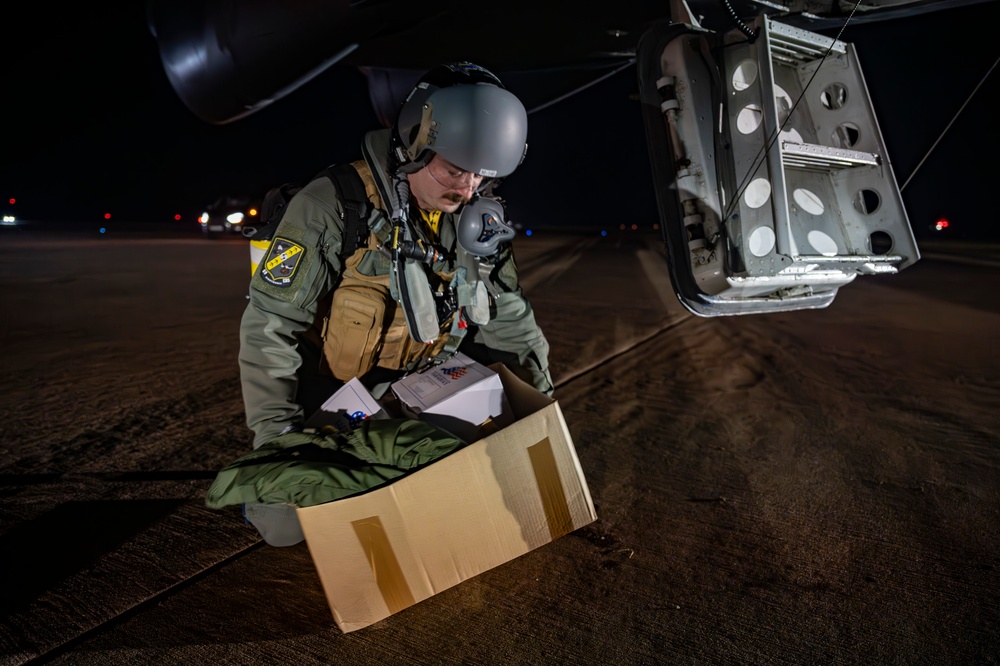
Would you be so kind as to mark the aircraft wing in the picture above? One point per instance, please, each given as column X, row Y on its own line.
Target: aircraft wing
column 771, row 198
column 227, row 60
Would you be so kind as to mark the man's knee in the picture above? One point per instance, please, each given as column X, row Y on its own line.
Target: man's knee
column 277, row 523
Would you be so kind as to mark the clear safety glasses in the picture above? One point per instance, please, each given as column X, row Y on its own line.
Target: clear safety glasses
column 450, row 176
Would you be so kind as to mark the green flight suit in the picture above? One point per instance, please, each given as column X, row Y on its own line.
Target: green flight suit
column 282, row 307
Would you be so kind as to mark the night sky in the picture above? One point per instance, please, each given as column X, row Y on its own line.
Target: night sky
column 91, row 126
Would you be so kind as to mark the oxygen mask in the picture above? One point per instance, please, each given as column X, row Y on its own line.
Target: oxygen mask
column 482, row 226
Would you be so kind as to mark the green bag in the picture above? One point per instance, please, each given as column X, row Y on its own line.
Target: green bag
column 306, row 469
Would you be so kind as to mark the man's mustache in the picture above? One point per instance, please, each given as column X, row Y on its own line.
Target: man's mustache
column 455, row 197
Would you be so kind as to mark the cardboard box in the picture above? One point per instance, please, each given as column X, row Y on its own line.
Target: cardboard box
column 458, row 396
column 350, row 404
column 481, row 506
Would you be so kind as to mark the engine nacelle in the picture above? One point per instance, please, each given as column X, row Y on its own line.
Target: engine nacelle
column 226, row 60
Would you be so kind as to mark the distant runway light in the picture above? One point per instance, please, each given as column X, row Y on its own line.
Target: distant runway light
column 604, row 233
column 528, row 232
column 107, row 216
column 103, row 230
column 177, row 218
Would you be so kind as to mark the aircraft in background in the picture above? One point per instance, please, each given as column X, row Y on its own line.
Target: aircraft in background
column 772, row 179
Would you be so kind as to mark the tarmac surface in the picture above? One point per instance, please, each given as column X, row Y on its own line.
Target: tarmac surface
column 816, row 487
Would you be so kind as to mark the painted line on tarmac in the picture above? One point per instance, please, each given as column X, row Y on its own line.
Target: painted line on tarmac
column 580, row 372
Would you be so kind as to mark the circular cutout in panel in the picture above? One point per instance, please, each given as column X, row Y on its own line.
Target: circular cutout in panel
column 761, row 241
column 867, row 202
column 822, row 243
column 808, row 201
column 745, row 75
column 783, row 104
column 846, row 135
column 834, row 96
column 748, row 119
column 791, row 135
column 881, row 242
column 757, row 192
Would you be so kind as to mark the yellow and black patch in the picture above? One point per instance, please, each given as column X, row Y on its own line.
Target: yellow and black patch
column 283, row 259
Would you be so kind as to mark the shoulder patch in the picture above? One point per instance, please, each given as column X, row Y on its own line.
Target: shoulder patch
column 281, row 263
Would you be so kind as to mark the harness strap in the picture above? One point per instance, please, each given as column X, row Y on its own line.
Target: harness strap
column 354, row 197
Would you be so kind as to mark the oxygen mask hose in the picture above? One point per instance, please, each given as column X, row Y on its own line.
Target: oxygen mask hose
column 405, row 248
column 415, row 250
column 399, row 222
column 407, row 280
column 401, row 187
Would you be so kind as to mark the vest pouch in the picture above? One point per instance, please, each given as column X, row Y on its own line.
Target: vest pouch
column 396, row 346
column 354, row 331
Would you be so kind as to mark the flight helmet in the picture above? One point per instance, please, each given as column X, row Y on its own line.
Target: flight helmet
column 463, row 113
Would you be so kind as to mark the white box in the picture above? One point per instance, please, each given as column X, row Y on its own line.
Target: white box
column 459, row 396
column 352, row 403
column 500, row 497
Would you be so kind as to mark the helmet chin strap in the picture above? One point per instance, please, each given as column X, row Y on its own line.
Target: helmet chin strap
column 406, row 166
column 412, row 167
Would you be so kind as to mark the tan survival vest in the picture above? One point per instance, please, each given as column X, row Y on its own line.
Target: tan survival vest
column 365, row 326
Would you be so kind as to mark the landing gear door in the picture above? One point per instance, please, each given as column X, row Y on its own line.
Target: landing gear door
column 772, row 180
